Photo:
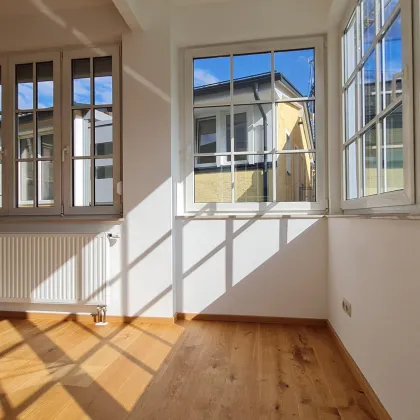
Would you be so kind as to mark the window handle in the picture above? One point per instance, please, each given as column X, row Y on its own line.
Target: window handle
column 399, row 75
column 64, row 152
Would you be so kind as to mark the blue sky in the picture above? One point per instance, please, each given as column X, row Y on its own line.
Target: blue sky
column 295, row 65
column 103, row 92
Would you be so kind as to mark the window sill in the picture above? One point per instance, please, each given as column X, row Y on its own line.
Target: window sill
column 59, row 219
column 189, row 216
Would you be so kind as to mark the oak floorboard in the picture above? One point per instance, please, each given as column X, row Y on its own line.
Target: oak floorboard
column 192, row 370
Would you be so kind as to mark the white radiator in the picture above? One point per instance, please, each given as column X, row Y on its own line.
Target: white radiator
column 53, row 268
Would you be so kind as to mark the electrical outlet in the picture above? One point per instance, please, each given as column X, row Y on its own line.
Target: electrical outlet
column 347, row 307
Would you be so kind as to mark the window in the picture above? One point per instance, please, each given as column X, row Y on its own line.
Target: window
column 377, row 106
column 64, row 137
column 262, row 91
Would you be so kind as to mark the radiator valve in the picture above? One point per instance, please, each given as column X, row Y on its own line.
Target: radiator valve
column 101, row 315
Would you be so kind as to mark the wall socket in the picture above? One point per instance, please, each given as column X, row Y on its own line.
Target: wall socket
column 347, row 307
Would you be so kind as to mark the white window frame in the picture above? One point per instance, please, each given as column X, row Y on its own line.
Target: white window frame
column 62, row 133
column 68, row 56
column 395, row 199
column 318, row 207
column 13, row 61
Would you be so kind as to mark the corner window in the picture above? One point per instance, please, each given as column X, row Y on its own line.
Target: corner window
column 262, row 91
column 377, row 106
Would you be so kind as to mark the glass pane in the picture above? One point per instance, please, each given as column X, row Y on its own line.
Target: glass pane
column 102, row 73
column 25, row 136
column 45, row 184
column 389, row 6
column 252, row 77
column 1, row 167
column 392, row 152
column 103, row 132
column 350, row 48
column 370, row 163
column 206, row 139
column 351, row 178
column 212, row 184
column 45, row 128
column 294, row 73
column 392, row 61
column 253, row 128
column 81, row 81
column 296, row 177
column 212, row 80
column 81, row 183
column 1, row 90
column 81, row 132
column 24, row 86
column 368, row 24
column 104, row 191
column 26, row 191
column 369, row 88
column 254, row 179
column 45, row 85
column 295, row 125
column 350, row 110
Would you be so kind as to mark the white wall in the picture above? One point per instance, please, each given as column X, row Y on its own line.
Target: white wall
column 252, row 267
column 374, row 263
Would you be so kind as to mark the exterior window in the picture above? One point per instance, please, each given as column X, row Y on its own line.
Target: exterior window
column 262, row 94
column 377, row 106
column 51, row 96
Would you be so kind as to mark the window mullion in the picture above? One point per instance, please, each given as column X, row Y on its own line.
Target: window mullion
column 232, row 133
column 35, row 136
column 92, row 136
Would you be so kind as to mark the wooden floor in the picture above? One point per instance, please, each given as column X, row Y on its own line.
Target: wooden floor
column 193, row 370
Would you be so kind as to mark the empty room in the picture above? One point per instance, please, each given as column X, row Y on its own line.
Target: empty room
column 237, row 234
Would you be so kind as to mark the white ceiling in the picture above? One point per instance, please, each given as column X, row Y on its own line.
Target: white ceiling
column 11, row 8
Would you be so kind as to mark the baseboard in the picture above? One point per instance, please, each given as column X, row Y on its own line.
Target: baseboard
column 252, row 319
column 357, row 373
column 82, row 318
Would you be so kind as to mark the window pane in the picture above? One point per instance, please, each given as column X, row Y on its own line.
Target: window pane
column 26, row 190
column 392, row 152
column 294, row 73
column 81, row 81
column 104, row 192
column 254, row 179
column 1, row 163
column 350, row 110
column 206, row 139
column 296, row 177
column 369, row 88
column 350, row 49
column 45, row 184
column 389, row 6
column 252, row 77
column 25, row 136
column 45, row 134
column 212, row 184
column 24, row 86
column 368, row 23
column 392, row 61
column 296, row 122
column 370, row 163
column 81, row 182
column 351, row 167
column 212, row 80
column 45, row 85
column 81, row 132
column 103, row 132
column 240, row 139
column 1, row 90
column 102, row 73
